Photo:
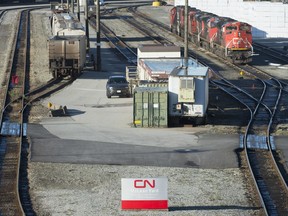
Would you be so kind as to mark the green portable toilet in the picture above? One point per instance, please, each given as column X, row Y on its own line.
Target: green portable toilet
column 150, row 107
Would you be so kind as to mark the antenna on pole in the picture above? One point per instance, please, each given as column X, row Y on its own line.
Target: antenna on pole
column 78, row 9
column 186, row 37
column 72, row 6
column 87, row 25
column 98, row 35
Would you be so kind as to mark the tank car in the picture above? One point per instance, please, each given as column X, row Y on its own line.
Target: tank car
column 67, row 55
column 223, row 36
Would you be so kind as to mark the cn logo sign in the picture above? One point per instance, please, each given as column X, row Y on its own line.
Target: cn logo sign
column 139, row 183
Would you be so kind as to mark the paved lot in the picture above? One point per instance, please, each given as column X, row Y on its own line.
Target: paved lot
column 99, row 130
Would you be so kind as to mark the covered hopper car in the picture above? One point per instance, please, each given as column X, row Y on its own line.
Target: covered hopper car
column 67, row 55
column 64, row 24
column 67, row 46
column 223, row 36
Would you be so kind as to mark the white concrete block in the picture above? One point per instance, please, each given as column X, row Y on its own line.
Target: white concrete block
column 280, row 31
column 261, row 15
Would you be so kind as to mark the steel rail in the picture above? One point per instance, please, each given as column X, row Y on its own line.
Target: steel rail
column 17, row 99
column 272, row 83
column 45, row 90
column 268, row 200
column 250, row 104
column 145, row 31
column 247, row 155
column 261, row 103
column 116, row 42
column 254, row 112
column 12, row 204
column 282, row 56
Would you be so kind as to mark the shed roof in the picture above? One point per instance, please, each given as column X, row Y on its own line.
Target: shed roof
column 191, row 71
column 175, row 66
column 158, row 48
column 164, row 65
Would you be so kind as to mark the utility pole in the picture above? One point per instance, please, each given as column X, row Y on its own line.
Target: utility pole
column 78, row 9
column 98, row 55
column 72, row 6
column 68, row 5
column 86, row 25
column 186, row 36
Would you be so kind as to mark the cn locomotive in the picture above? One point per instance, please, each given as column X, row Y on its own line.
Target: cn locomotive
column 67, row 46
column 223, row 36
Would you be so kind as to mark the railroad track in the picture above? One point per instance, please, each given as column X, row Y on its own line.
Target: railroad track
column 116, row 42
column 275, row 54
column 281, row 56
column 258, row 145
column 257, row 141
column 16, row 98
column 262, row 100
column 12, row 127
column 33, row 97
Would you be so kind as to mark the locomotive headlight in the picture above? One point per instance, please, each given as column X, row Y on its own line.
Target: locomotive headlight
column 239, row 34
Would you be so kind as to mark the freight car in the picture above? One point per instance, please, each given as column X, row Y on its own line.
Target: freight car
column 67, row 46
column 64, row 24
column 57, row 7
column 223, row 36
column 67, row 55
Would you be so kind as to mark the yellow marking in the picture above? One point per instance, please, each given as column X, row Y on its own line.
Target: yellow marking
column 137, row 122
column 239, row 48
column 156, row 3
column 49, row 105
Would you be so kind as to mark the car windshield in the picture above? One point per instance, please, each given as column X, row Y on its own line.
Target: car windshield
column 117, row 80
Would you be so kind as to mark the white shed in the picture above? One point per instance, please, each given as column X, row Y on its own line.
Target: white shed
column 158, row 51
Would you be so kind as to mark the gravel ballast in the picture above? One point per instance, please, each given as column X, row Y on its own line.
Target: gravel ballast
column 93, row 189
column 78, row 189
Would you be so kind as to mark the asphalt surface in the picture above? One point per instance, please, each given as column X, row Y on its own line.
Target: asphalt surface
column 99, row 130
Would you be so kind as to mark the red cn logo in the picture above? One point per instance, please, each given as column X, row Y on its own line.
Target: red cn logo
column 144, row 183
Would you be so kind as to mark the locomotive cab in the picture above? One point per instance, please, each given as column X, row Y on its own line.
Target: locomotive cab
column 223, row 36
column 173, row 20
column 237, row 40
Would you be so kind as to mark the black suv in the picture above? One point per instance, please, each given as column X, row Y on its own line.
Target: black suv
column 117, row 86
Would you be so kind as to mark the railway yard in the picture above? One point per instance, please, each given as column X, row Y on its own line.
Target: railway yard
column 75, row 162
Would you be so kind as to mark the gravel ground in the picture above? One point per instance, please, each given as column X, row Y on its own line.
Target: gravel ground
column 40, row 31
column 8, row 29
column 85, row 189
column 77, row 189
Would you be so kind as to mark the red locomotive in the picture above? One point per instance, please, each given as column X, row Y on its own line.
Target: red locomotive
column 223, row 36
